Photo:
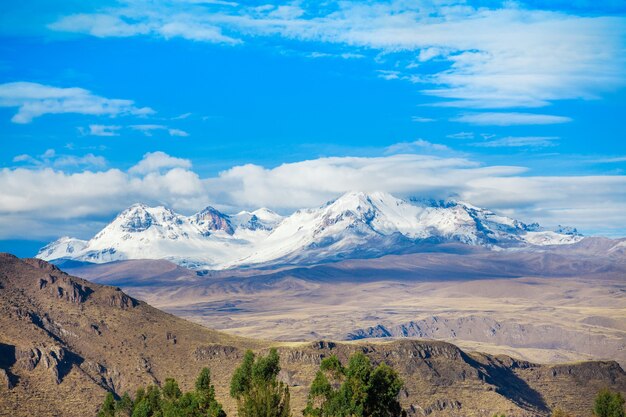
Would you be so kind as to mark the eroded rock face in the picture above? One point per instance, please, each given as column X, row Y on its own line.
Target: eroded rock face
column 121, row 300
column 51, row 357
column 443, row 404
column 216, row 351
column 64, row 288
column 41, row 264
column 109, row 378
column 210, row 220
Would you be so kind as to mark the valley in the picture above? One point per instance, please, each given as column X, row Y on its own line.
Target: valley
column 546, row 307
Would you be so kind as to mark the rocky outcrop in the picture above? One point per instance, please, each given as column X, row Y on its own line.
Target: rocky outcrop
column 210, row 220
column 480, row 328
column 65, row 288
column 51, row 357
column 202, row 353
column 120, row 300
column 110, row 379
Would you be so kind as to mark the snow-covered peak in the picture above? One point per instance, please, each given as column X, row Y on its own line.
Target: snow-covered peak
column 140, row 217
column 210, row 220
column 356, row 205
column 354, row 225
column 260, row 219
column 566, row 230
column 64, row 247
column 268, row 216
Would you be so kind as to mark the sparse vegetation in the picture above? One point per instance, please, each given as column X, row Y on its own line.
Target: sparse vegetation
column 357, row 390
column 609, row 404
column 167, row 402
column 559, row 412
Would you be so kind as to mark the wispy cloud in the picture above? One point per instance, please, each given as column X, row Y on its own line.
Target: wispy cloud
column 510, row 119
column 182, row 116
column 148, row 129
column 100, row 130
column 34, row 100
column 131, row 21
column 51, row 159
column 420, row 119
column 416, row 146
column 611, row 160
column 461, row 135
column 519, row 142
column 492, row 57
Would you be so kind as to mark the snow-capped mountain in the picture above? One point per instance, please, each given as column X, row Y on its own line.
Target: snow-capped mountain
column 355, row 225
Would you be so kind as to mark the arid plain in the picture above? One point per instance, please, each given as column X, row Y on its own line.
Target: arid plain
column 542, row 306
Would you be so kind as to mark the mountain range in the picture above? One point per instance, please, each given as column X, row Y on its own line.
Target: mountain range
column 354, row 226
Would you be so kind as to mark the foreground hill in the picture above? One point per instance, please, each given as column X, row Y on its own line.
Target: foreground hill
column 354, row 226
column 65, row 341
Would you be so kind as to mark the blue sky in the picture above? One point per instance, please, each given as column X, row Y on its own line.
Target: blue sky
column 516, row 106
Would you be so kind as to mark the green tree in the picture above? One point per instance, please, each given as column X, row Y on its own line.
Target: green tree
column 188, row 405
column 356, row 390
column 205, row 394
column 609, row 404
column 256, row 388
column 124, row 407
column 171, row 391
column 140, row 394
column 150, row 405
column 108, row 406
column 382, row 397
column 168, row 402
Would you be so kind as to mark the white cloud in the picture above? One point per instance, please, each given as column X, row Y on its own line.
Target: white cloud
column 419, row 119
column 389, row 74
column 33, row 100
column 177, row 132
column 51, row 159
column 416, row 146
column 142, row 21
column 157, row 161
column 612, row 160
column 89, row 160
column 147, row 130
column 49, row 153
column 497, row 57
column 49, row 201
column 101, row 130
column 185, row 28
column 426, row 54
column 182, row 116
column 461, row 135
column 522, row 141
column 510, row 119
column 22, row 158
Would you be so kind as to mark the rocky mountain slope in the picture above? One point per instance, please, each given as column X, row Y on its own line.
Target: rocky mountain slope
column 65, row 341
column 356, row 225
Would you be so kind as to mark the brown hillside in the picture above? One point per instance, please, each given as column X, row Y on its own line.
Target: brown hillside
column 65, row 341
